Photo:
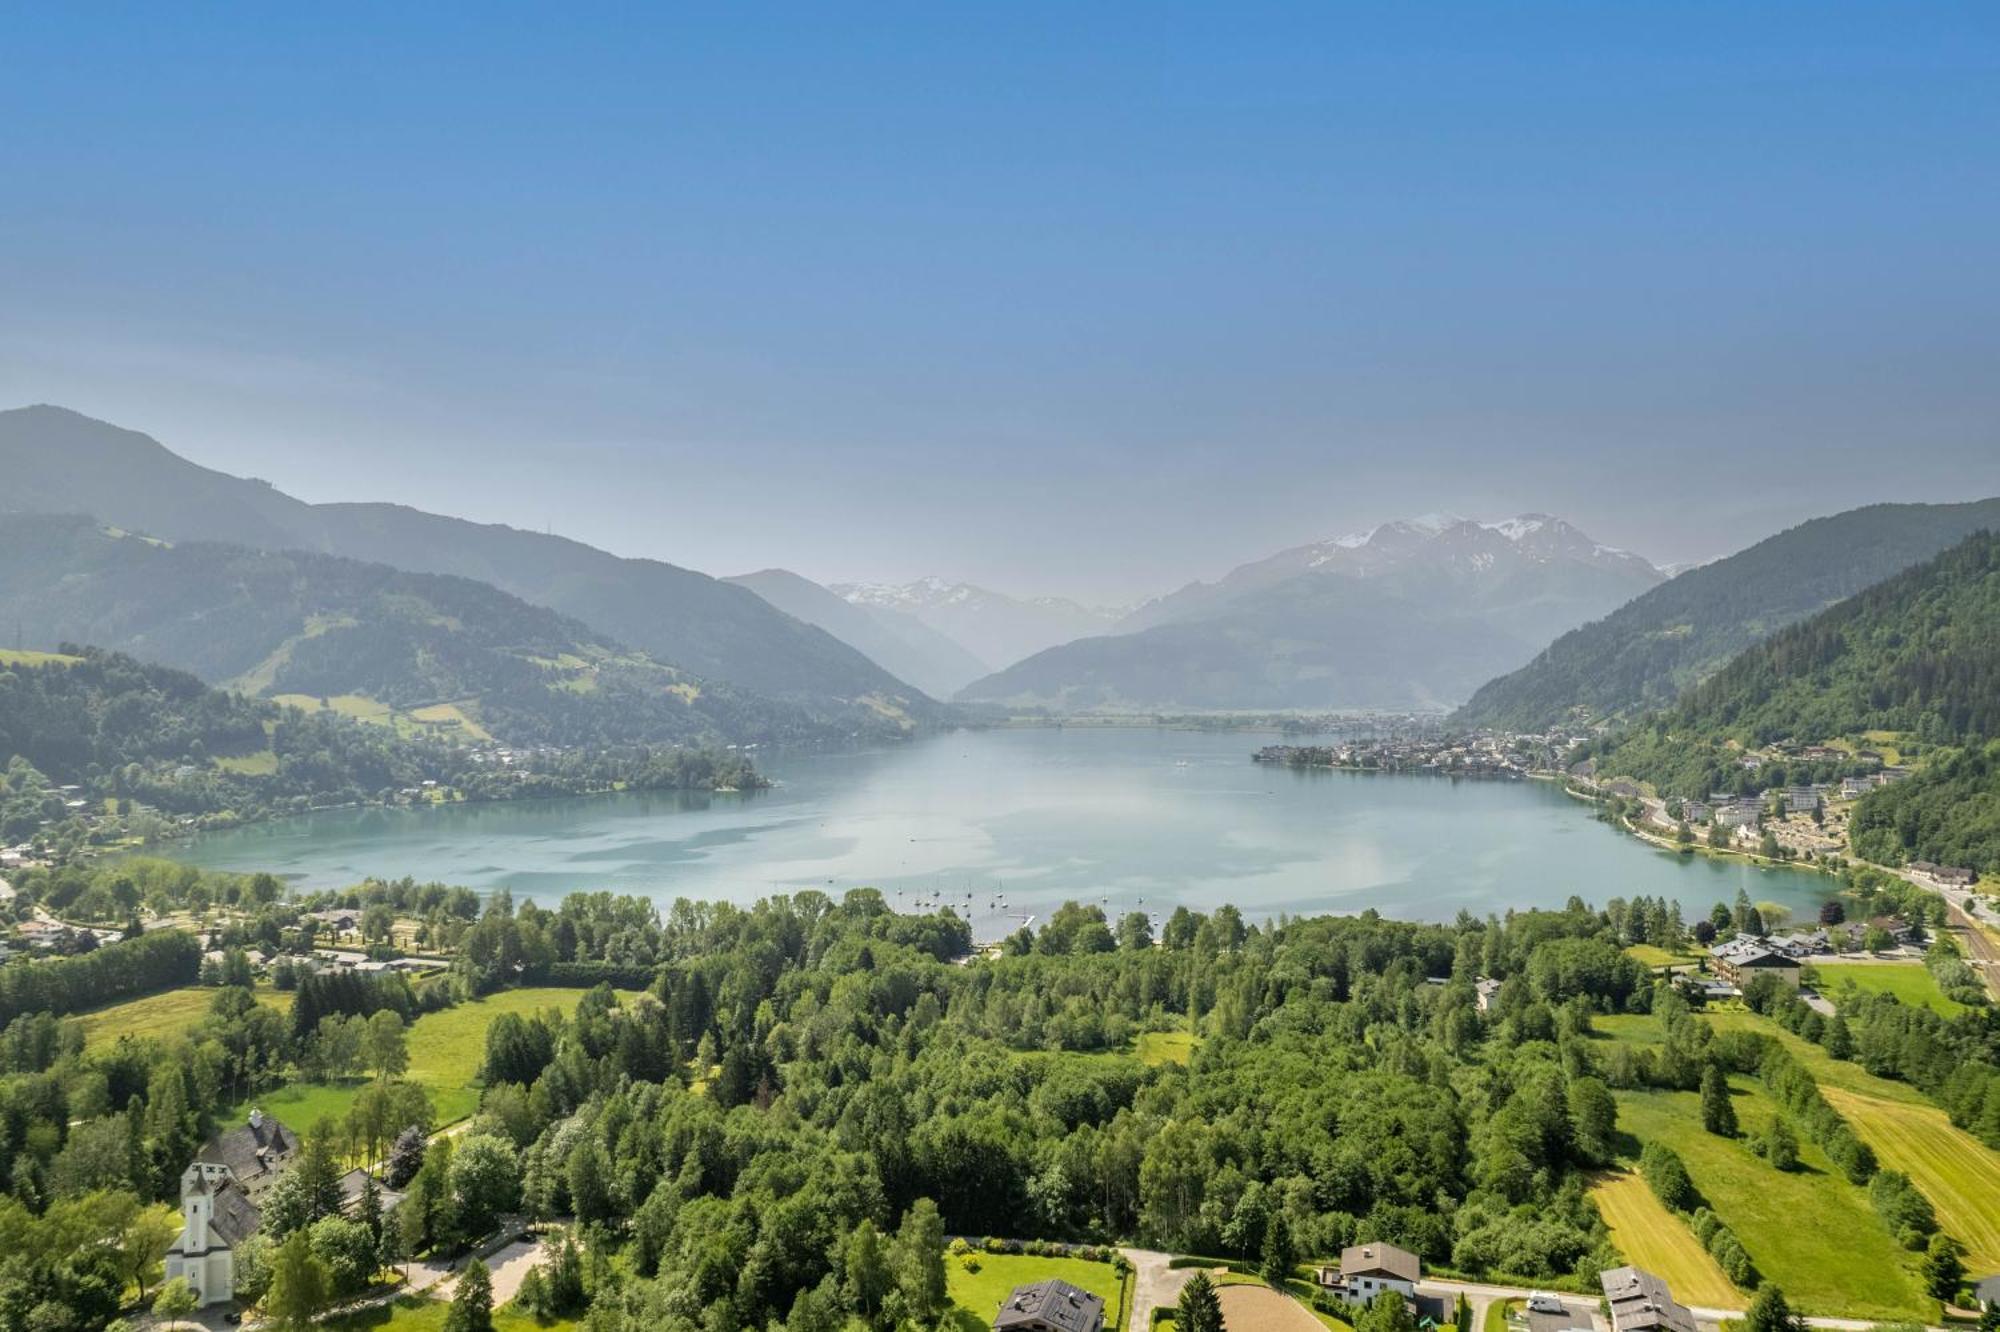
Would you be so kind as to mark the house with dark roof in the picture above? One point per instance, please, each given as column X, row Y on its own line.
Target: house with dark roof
column 1050, row 1306
column 219, row 1192
column 1744, row 958
column 255, row 1151
column 1641, row 1302
column 1369, row 1270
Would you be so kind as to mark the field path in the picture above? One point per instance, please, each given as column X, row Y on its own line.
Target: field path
column 1957, row 1172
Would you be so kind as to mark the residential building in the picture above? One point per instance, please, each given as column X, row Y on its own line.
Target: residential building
column 1801, row 799
column 1742, row 814
column 1368, row 1270
column 1641, row 1302
column 1744, row 958
column 1487, row 991
column 1050, row 1306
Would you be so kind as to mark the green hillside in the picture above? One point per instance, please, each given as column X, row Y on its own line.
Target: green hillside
column 438, row 653
column 1917, row 655
column 1644, row 654
column 95, row 745
column 60, row 462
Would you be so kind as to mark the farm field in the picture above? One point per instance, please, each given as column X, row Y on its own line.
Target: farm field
column 1957, row 1172
column 1654, row 1238
column 976, row 1296
column 446, row 1050
column 1844, row 1263
column 159, row 1016
column 1909, row 982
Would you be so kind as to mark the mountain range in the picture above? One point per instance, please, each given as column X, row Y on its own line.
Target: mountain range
column 897, row 640
column 995, row 628
column 1644, row 654
column 58, row 461
column 1415, row 613
column 441, row 654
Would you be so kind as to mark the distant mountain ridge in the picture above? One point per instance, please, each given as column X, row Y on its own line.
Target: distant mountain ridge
column 1415, row 614
column 459, row 657
column 995, row 628
column 1644, row 654
column 58, row 461
column 1441, row 541
column 896, row 640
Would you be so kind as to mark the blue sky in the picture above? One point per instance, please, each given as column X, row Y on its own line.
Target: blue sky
column 1086, row 299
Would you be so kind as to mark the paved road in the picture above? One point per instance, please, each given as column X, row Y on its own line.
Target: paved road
column 1154, row 1285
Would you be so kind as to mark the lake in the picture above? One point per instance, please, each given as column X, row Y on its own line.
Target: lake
column 1003, row 824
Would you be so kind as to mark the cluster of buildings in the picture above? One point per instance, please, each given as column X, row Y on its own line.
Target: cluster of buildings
column 221, row 1194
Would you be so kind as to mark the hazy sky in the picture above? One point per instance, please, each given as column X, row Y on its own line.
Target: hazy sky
column 1079, row 298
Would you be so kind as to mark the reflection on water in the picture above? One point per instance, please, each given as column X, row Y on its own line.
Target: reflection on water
column 1132, row 819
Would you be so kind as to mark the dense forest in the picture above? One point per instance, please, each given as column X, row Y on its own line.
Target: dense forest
column 290, row 622
column 145, row 746
column 1644, row 654
column 806, row 1096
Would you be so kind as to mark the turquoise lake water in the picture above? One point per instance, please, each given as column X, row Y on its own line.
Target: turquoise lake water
column 1130, row 818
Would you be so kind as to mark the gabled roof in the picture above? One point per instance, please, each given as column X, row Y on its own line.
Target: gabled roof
column 252, row 1151
column 1051, row 1303
column 1380, row 1260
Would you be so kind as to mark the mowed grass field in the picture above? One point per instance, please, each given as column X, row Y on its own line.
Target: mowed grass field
column 1910, row 982
column 1809, row 1231
column 1654, row 1238
column 161, row 1016
column 446, row 1050
column 1957, row 1172
column 976, row 1296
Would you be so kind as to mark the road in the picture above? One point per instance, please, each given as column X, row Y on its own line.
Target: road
column 1480, row 1296
column 1154, row 1285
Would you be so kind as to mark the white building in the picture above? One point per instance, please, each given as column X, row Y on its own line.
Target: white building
column 218, row 1209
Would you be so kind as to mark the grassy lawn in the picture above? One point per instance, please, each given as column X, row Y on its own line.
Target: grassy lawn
column 450, row 716
column 1809, row 1230
column 23, row 657
column 976, row 1296
column 1655, row 1239
column 1654, row 956
column 1497, row 1314
column 414, row 1313
column 1165, row 1047
column 260, row 764
column 446, row 1050
column 1910, row 982
column 160, row 1016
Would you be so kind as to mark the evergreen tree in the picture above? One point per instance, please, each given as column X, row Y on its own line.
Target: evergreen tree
column 1718, row 1112
column 1769, row 1312
column 1200, row 1309
column 1279, row 1254
column 472, row 1303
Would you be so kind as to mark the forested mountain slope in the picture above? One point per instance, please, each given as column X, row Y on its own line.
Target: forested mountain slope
column 57, row 461
column 1646, row 652
column 1917, row 655
column 91, row 740
column 452, row 650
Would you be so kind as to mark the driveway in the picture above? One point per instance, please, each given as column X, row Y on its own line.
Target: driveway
column 510, row 1267
column 1154, row 1285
